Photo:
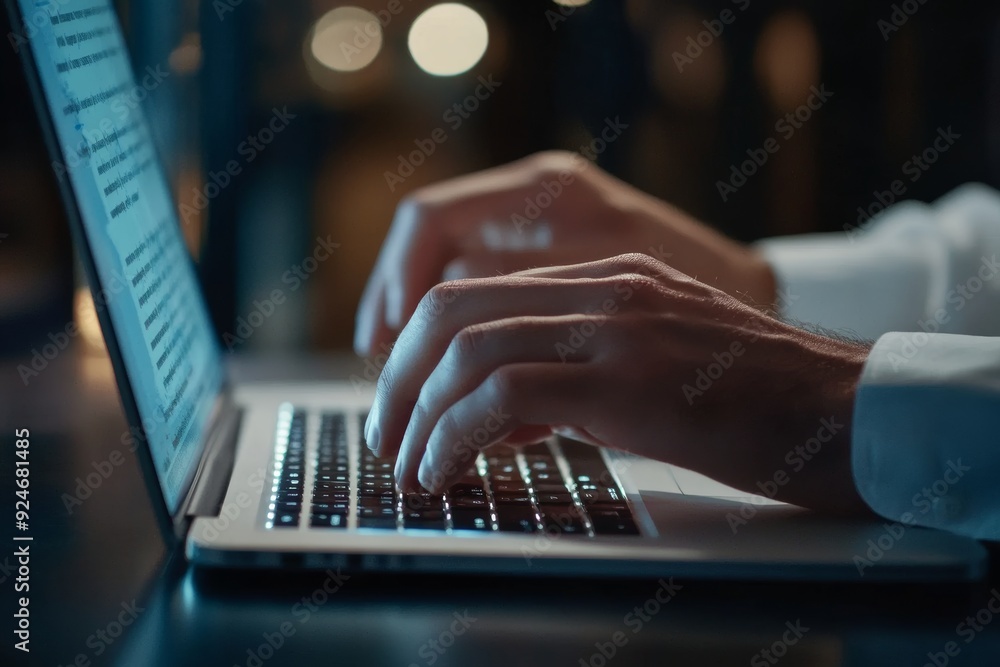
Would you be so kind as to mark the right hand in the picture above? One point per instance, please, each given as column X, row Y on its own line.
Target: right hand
column 552, row 208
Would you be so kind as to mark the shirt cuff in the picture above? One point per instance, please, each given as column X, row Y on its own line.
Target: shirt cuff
column 856, row 283
column 924, row 440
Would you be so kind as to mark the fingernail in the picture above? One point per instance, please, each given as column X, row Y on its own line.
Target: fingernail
column 371, row 418
column 425, row 477
column 373, row 437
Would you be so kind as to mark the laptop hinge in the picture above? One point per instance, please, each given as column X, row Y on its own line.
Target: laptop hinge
column 211, row 481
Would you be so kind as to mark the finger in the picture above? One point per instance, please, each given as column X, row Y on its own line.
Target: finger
column 510, row 398
column 370, row 330
column 528, row 435
column 432, row 228
column 485, row 263
column 604, row 267
column 473, row 354
column 449, row 308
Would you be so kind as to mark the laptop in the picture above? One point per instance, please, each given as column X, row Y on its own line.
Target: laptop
column 277, row 475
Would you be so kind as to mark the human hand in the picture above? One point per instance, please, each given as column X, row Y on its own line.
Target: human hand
column 614, row 352
column 553, row 208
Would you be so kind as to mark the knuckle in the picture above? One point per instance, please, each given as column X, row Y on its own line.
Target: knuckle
column 438, row 297
column 553, row 161
column 637, row 262
column 466, row 342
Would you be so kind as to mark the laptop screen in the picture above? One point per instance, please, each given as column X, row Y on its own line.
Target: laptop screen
column 147, row 281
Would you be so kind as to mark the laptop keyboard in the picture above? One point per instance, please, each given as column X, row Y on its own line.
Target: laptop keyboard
column 562, row 487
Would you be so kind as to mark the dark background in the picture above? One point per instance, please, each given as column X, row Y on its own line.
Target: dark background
column 561, row 79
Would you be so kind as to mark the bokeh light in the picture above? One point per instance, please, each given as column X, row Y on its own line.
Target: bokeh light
column 448, row 39
column 787, row 59
column 346, row 39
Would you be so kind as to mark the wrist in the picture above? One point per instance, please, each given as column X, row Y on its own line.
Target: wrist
column 818, row 425
column 762, row 284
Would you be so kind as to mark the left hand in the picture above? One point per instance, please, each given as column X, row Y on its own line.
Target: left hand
column 624, row 352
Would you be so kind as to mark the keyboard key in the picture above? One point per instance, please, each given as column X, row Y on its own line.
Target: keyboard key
column 375, row 493
column 550, row 488
column 469, row 502
column 331, row 508
column 427, row 520
column 383, row 523
column 376, row 512
column 513, row 499
column 286, row 520
column 554, row 498
column 618, row 525
column 471, row 519
column 511, row 488
column 601, row 496
column 328, row 520
column 331, row 496
column 563, row 526
column 377, row 501
column 517, row 519
column 466, row 490
column 420, row 501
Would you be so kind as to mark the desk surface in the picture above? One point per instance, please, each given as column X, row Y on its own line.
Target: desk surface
column 105, row 590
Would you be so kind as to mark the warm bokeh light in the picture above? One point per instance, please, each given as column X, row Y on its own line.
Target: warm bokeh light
column 448, row 39
column 85, row 317
column 689, row 62
column 346, row 39
column 787, row 59
column 186, row 58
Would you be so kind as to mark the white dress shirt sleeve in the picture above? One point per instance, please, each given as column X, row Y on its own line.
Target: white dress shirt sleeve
column 925, row 281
